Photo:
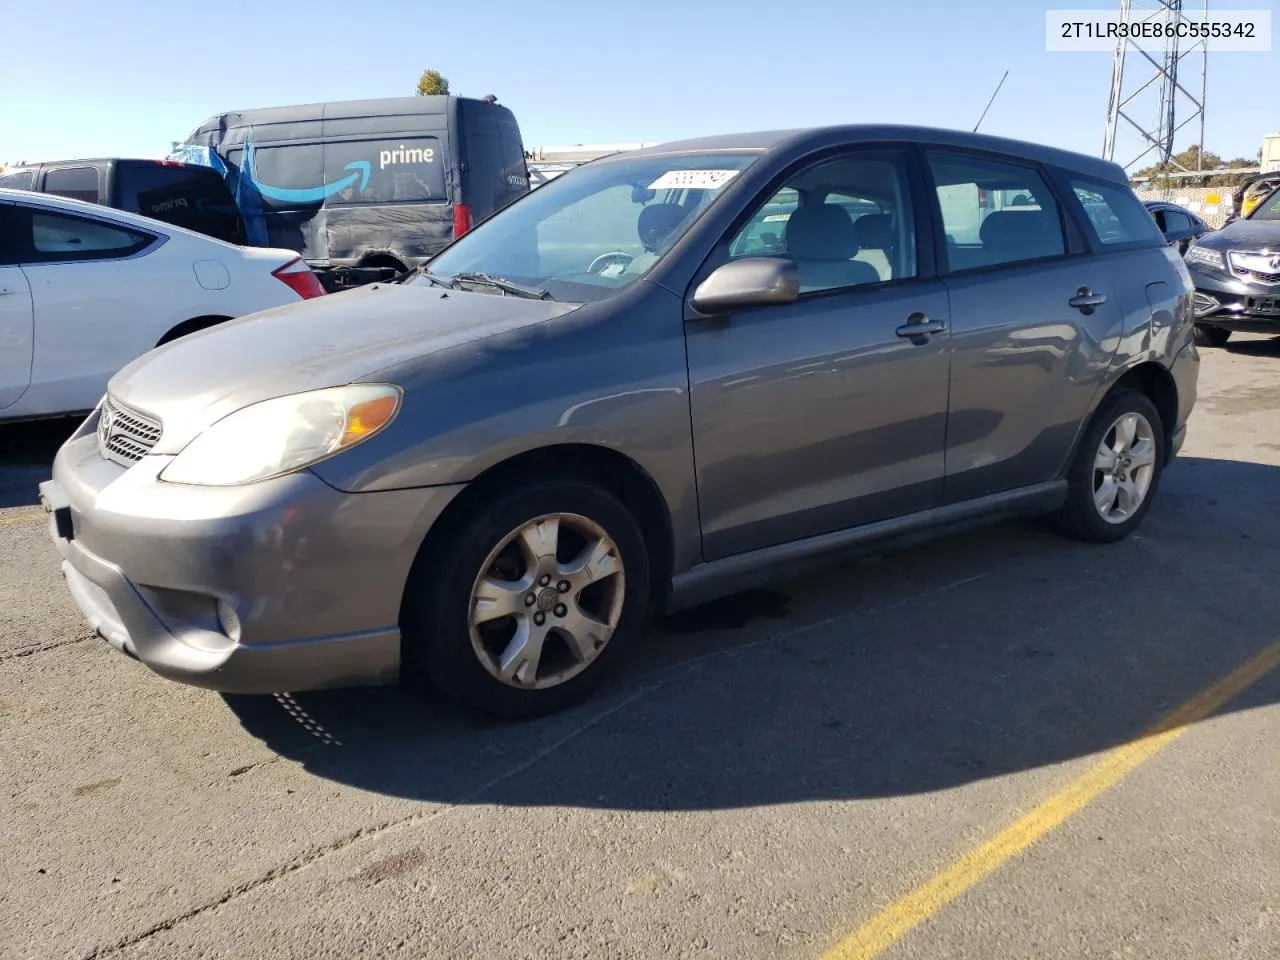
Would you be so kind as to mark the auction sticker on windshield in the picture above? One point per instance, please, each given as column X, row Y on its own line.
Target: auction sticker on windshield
column 693, row 179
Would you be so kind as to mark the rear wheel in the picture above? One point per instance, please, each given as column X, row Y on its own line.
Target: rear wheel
column 1113, row 480
column 532, row 600
column 1211, row 336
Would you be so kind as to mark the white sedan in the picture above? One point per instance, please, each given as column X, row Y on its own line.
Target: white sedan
column 84, row 289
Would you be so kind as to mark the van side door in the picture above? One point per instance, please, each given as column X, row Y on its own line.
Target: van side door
column 1035, row 321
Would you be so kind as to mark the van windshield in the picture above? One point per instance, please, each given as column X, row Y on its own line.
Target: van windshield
column 596, row 229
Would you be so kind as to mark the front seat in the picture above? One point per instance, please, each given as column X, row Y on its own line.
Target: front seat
column 821, row 239
column 654, row 224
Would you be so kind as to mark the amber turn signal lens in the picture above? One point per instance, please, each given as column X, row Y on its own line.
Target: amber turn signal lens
column 368, row 418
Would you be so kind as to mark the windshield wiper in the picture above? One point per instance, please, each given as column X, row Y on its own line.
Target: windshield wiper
column 422, row 271
column 506, row 286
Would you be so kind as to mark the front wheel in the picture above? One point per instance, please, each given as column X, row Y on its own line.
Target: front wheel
column 1117, row 467
column 1211, row 336
column 530, row 602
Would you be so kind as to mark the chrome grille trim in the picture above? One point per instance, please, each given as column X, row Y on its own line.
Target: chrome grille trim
column 125, row 435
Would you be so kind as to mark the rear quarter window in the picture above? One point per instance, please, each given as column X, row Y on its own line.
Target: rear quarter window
column 1115, row 216
column 77, row 183
column 18, row 180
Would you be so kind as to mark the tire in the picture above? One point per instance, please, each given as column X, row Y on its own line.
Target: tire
column 465, row 660
column 1082, row 517
column 1210, row 336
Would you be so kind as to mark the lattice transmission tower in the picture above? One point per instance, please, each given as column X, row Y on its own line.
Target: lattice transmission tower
column 1152, row 83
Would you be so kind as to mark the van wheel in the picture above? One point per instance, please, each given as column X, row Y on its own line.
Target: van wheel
column 1113, row 479
column 1209, row 336
column 530, row 603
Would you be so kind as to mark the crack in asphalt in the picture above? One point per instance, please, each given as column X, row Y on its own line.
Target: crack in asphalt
column 44, row 647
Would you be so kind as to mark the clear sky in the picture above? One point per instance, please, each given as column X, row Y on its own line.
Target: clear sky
column 87, row 78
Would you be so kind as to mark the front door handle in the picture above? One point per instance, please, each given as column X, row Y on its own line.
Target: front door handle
column 1085, row 300
column 919, row 328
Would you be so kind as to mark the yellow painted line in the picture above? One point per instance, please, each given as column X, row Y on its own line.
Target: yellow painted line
column 896, row 920
column 22, row 516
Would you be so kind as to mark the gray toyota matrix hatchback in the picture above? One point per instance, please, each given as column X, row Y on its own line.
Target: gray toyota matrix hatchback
column 665, row 376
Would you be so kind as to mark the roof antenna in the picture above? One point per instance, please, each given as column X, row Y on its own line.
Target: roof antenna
column 989, row 102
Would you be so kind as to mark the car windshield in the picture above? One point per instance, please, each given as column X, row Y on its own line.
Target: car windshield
column 594, row 230
column 1268, row 209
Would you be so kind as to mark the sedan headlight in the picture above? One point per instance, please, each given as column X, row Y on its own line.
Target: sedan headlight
column 1205, row 257
column 284, row 434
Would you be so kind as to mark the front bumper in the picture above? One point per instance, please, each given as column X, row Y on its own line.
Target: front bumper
column 1223, row 300
column 278, row 586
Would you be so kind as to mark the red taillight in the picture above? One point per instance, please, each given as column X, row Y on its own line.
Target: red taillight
column 461, row 219
column 300, row 279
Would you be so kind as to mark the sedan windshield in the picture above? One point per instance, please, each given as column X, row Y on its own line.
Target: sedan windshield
column 592, row 231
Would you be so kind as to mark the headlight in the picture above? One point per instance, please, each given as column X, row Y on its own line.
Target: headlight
column 1206, row 257
column 285, row 434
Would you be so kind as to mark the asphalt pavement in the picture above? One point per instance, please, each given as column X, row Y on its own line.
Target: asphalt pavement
column 945, row 752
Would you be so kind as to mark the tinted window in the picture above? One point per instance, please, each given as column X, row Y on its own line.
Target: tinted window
column 190, row 197
column 385, row 171
column 286, row 177
column 18, row 180
column 846, row 222
column 1115, row 214
column 79, row 183
column 57, row 237
column 995, row 213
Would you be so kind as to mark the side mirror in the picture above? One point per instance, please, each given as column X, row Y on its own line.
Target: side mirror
column 750, row 282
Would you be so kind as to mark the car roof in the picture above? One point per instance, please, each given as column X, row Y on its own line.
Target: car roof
column 54, row 202
column 769, row 140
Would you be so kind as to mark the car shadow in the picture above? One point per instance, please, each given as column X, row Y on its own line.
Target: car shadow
column 26, row 457
column 1257, row 347
column 990, row 653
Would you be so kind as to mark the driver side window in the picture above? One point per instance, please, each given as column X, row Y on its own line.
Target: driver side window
column 845, row 222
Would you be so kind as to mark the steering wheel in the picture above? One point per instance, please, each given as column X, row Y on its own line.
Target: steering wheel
column 605, row 260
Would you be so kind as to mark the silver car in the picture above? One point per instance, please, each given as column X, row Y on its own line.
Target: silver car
column 665, row 376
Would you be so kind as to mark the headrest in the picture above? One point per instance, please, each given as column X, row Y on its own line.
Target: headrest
column 821, row 232
column 874, row 231
column 656, row 222
column 1016, row 229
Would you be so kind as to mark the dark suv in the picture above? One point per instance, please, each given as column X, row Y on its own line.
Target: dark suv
column 1237, row 276
column 664, row 376
column 184, row 195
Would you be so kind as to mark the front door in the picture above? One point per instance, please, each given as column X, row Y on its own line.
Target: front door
column 823, row 414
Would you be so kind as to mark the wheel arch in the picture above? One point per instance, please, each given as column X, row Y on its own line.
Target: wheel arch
column 603, row 466
column 191, row 326
column 1150, row 379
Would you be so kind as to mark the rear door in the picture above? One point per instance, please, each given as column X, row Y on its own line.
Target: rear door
column 16, row 331
column 1027, row 353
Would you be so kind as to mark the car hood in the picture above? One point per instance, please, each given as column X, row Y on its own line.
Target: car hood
column 1244, row 235
column 331, row 340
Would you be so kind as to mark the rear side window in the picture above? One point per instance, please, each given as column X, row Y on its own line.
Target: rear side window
column 994, row 213
column 18, row 180
column 78, row 183
column 58, row 237
column 192, row 197
column 385, row 171
column 1115, row 214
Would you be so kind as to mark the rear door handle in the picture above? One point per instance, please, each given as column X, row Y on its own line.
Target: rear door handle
column 919, row 328
column 1085, row 300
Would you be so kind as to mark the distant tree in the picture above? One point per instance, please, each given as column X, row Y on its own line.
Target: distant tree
column 1171, row 174
column 432, row 83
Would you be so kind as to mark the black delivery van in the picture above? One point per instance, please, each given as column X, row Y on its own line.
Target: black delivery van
column 365, row 189
column 185, row 195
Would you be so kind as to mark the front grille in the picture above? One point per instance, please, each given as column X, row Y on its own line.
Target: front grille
column 125, row 435
column 1254, row 267
column 1258, row 277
